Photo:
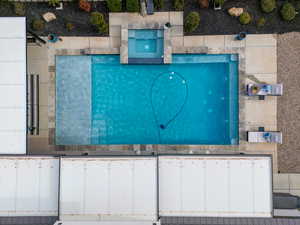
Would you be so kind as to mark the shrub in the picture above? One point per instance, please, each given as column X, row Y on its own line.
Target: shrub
column 288, row 11
column 179, row 5
column 98, row 21
column 158, row 4
column 114, row 5
column 38, row 24
column 19, row 8
column 96, row 18
column 103, row 28
column 261, row 22
column 84, row 5
column 219, row 2
column 191, row 22
column 132, row 5
column 70, row 26
column 268, row 6
column 53, row 3
column 245, row 18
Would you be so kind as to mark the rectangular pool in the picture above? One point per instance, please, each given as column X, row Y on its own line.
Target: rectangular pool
column 194, row 100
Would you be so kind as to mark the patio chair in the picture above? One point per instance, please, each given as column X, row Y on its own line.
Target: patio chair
column 150, row 7
column 264, row 90
column 264, row 137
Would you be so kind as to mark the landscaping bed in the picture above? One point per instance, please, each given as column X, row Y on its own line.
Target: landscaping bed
column 220, row 22
column 212, row 22
column 70, row 14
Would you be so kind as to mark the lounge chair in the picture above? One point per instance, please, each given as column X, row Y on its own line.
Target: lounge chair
column 150, row 7
column 264, row 137
column 264, row 89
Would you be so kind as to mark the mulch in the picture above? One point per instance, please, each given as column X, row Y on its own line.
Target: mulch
column 212, row 22
column 70, row 14
column 220, row 22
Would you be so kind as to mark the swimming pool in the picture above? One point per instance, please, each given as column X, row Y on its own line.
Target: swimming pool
column 194, row 100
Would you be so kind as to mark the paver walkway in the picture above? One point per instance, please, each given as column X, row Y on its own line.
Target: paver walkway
column 288, row 115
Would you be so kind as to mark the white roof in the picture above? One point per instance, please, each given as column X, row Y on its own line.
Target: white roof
column 223, row 186
column 12, row 85
column 93, row 189
column 29, row 186
column 133, row 188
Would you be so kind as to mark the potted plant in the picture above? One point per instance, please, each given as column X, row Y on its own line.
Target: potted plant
column 218, row 4
column 241, row 36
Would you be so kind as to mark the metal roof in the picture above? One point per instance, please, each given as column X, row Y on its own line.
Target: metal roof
column 227, row 221
column 208, row 186
column 13, row 85
column 28, row 220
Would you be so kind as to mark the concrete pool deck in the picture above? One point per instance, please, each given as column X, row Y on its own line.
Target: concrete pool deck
column 258, row 62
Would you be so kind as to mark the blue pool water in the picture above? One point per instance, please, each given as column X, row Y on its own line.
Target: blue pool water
column 145, row 43
column 194, row 100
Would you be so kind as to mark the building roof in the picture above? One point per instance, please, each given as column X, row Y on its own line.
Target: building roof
column 227, row 221
column 13, row 85
column 28, row 220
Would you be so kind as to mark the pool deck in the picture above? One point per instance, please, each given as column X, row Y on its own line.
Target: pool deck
column 258, row 63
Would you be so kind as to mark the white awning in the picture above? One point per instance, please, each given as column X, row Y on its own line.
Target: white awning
column 210, row 186
column 93, row 189
column 29, row 186
column 12, row 85
column 98, row 189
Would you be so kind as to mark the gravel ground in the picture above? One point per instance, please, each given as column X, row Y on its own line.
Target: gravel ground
column 288, row 106
column 70, row 14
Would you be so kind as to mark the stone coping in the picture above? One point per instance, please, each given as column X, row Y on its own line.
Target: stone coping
column 190, row 50
column 124, row 46
column 87, row 51
column 144, row 25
